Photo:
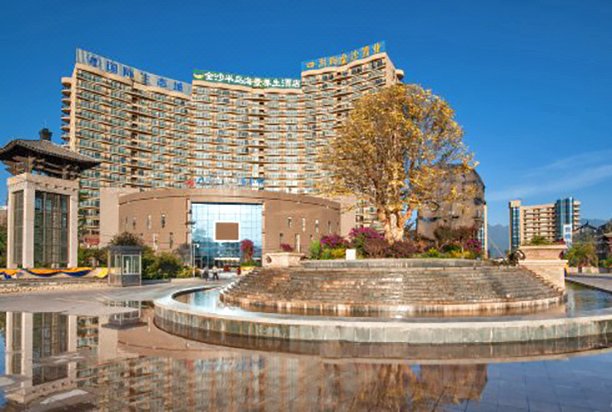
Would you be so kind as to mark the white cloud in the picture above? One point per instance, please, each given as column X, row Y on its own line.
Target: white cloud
column 561, row 176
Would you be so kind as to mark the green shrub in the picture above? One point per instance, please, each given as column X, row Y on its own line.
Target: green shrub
column 432, row 253
column 164, row 265
column 250, row 263
column 582, row 254
column 92, row 256
column 539, row 241
column 326, row 254
column 338, row 253
column 185, row 272
column 314, row 250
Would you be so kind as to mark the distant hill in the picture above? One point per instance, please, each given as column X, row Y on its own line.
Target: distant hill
column 498, row 240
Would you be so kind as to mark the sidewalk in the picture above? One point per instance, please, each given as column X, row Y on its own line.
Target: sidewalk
column 601, row 282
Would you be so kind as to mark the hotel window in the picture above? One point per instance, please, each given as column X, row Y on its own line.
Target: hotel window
column 149, row 222
column 134, row 223
column 289, row 222
column 163, row 220
column 317, row 226
column 303, row 224
column 280, row 238
column 171, row 241
column 329, row 226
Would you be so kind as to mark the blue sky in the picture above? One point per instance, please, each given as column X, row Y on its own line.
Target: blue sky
column 531, row 80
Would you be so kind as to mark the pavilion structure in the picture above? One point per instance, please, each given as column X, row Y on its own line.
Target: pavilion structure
column 43, row 202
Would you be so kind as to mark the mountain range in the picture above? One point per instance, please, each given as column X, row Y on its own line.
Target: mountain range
column 499, row 238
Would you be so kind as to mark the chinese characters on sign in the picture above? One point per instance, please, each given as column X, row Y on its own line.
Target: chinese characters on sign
column 344, row 58
column 256, row 82
column 206, row 181
column 139, row 76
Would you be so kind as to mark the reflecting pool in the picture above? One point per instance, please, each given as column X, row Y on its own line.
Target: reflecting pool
column 53, row 361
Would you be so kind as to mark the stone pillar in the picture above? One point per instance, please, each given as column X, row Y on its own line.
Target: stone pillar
column 10, row 220
column 8, row 341
column 546, row 262
column 73, row 230
column 27, row 346
column 29, row 194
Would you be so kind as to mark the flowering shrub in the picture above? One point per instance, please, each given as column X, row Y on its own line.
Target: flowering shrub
column 286, row 247
column 247, row 249
column 403, row 249
column 333, row 241
column 359, row 236
column 375, row 248
column 474, row 246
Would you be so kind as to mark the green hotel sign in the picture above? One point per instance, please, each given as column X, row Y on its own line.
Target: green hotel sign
column 255, row 82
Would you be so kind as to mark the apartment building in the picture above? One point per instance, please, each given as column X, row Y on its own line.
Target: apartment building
column 552, row 221
column 220, row 130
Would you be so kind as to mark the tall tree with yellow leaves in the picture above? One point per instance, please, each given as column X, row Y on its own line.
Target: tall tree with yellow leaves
column 394, row 151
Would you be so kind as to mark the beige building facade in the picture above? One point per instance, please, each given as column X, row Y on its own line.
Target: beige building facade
column 214, row 221
column 220, row 130
column 544, row 220
column 467, row 210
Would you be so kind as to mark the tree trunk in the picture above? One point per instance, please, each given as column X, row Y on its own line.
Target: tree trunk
column 393, row 224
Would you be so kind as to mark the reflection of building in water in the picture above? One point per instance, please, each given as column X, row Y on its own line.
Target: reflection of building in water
column 65, row 354
column 37, row 345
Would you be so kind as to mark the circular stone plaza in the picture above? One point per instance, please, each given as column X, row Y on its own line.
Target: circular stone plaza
column 382, row 302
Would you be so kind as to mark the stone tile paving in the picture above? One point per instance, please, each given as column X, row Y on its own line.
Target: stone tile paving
column 603, row 282
column 92, row 301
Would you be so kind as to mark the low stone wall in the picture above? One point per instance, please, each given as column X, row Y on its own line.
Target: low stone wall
column 282, row 259
column 44, row 285
column 190, row 321
column 392, row 263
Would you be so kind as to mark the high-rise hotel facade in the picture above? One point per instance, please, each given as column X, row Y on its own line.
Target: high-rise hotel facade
column 551, row 221
column 220, row 131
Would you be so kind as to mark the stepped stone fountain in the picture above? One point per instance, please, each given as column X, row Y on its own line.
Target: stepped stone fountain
column 392, row 287
column 405, row 302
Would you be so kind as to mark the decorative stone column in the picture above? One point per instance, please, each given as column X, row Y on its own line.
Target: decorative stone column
column 547, row 262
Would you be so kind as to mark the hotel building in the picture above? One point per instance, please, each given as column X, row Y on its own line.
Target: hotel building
column 219, row 131
column 469, row 210
column 552, row 221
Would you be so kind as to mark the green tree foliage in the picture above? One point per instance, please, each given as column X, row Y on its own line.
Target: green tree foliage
column 314, row 250
column 92, row 256
column 539, row 241
column 164, row 264
column 582, row 254
column 127, row 239
column 394, row 152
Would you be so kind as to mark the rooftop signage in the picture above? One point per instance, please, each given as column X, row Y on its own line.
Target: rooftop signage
column 139, row 76
column 256, row 82
column 344, row 58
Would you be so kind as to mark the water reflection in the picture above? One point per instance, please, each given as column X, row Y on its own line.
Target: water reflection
column 55, row 361
column 579, row 299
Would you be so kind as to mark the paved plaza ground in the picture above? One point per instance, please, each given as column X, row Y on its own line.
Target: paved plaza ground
column 601, row 282
column 93, row 302
column 142, row 367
